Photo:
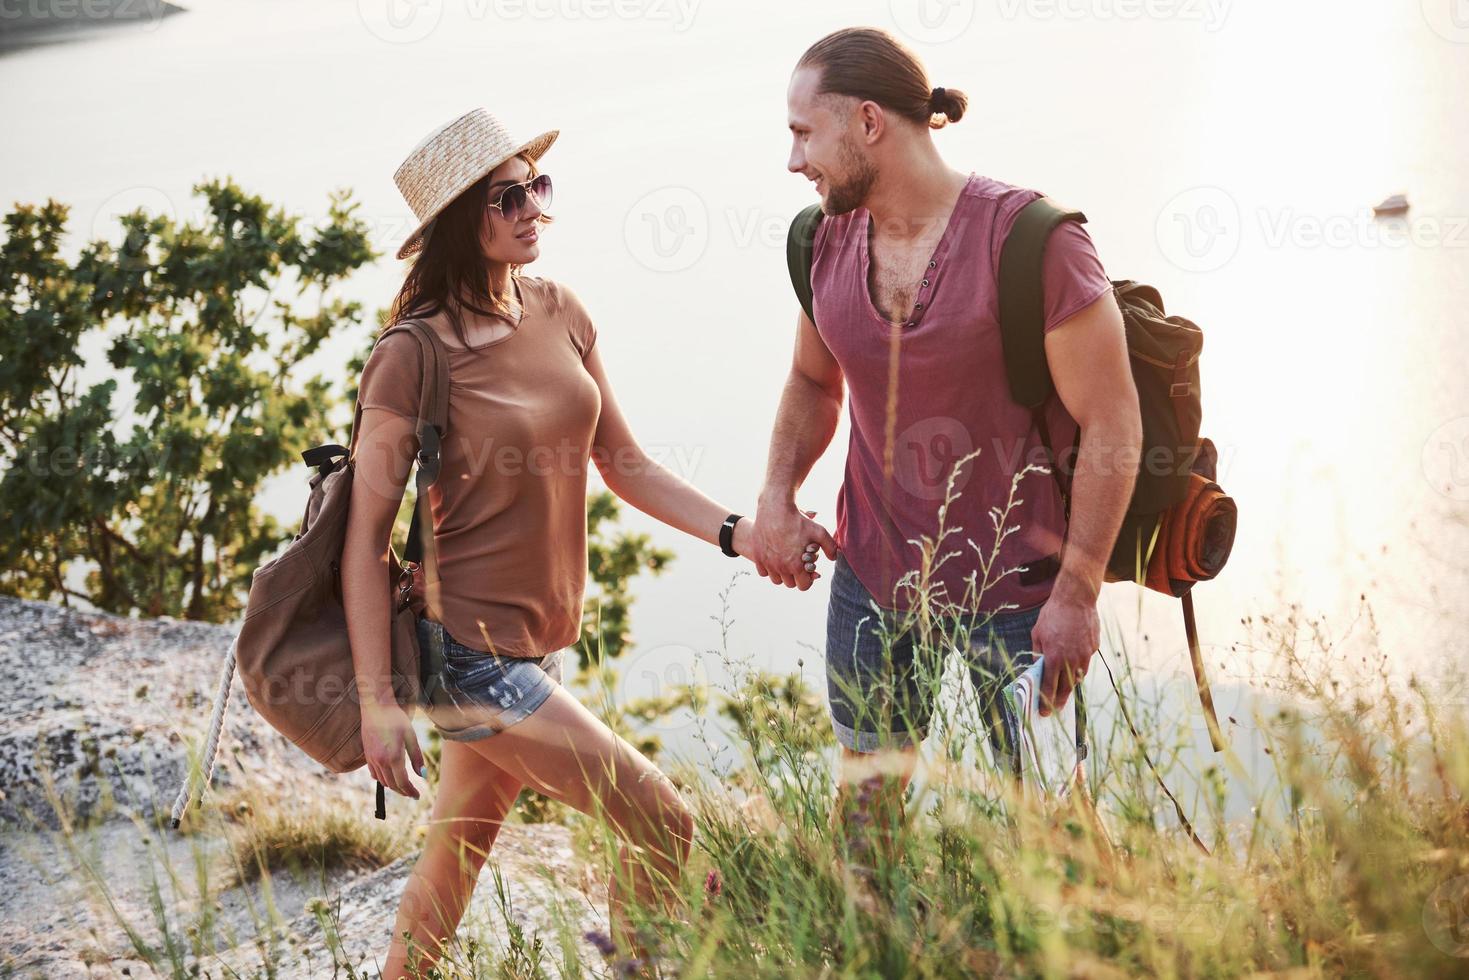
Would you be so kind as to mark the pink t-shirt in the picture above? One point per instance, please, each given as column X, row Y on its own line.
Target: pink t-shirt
column 952, row 398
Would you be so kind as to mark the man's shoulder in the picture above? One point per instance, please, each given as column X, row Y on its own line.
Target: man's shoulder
column 1001, row 201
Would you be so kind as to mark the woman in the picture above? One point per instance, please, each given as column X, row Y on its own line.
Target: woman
column 529, row 403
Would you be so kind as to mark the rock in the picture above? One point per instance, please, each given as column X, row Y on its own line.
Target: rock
column 108, row 705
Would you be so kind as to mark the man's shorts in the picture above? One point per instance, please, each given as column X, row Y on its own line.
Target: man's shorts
column 881, row 688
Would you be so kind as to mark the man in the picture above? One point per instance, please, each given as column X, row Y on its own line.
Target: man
column 905, row 302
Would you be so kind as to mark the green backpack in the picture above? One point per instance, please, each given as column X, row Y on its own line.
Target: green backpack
column 1164, row 355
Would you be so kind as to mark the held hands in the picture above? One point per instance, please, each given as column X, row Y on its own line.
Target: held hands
column 784, row 543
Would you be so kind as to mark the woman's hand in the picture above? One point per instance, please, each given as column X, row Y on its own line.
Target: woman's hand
column 782, row 542
column 386, row 732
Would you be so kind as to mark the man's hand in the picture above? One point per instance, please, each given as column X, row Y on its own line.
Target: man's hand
column 1066, row 634
column 783, row 541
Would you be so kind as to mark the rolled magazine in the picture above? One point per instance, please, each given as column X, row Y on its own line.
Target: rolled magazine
column 1044, row 753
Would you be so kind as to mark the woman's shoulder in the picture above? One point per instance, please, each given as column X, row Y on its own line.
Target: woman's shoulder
column 561, row 302
column 395, row 343
column 556, row 296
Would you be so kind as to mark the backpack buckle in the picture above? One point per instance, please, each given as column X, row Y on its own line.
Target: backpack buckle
column 1179, row 389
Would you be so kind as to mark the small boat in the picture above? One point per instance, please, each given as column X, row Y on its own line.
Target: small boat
column 1396, row 204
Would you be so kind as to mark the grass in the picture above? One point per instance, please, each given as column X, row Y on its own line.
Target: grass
column 310, row 835
column 1353, row 861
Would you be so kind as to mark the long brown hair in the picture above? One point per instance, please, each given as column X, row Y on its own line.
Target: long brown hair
column 452, row 264
column 869, row 64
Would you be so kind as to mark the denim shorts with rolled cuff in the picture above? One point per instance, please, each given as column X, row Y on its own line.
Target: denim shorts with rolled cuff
column 879, row 693
column 477, row 694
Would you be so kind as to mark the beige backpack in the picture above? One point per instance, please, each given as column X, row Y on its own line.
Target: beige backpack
column 292, row 651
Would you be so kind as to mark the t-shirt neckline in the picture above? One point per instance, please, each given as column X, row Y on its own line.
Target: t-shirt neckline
column 515, row 284
column 931, row 271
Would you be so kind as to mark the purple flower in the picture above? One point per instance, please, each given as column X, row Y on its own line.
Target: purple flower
column 602, row 941
column 629, row 967
column 713, row 884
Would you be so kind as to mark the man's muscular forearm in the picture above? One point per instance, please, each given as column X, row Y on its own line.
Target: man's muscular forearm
column 804, row 424
column 1105, row 472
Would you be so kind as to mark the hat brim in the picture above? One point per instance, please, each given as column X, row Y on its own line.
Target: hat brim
column 533, row 148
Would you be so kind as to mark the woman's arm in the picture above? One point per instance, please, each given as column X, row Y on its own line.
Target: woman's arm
column 640, row 480
column 385, row 450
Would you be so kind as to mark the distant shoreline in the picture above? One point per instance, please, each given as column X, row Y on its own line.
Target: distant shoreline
column 51, row 21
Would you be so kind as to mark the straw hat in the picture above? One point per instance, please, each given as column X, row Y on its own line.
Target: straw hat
column 447, row 161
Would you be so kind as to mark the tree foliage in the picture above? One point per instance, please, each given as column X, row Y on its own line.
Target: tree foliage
column 157, row 491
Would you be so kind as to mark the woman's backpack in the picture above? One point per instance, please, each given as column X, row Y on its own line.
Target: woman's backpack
column 292, row 651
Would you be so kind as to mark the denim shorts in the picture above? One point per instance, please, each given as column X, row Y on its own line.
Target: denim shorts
column 471, row 694
column 881, row 687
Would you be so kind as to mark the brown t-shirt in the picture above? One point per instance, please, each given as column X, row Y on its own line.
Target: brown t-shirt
column 509, row 507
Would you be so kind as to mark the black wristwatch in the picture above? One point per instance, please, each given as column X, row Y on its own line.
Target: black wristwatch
column 726, row 535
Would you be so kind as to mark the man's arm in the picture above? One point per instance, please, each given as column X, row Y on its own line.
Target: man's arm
column 810, row 406
column 1088, row 359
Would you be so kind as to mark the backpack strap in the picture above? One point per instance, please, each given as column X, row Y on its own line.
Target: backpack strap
column 800, row 246
column 1023, row 338
column 1022, row 305
column 429, row 429
column 433, row 422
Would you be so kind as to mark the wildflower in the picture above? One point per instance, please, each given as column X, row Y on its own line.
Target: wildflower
column 713, row 885
column 601, row 941
column 629, row 967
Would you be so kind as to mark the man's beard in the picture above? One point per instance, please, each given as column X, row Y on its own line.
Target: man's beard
column 858, row 176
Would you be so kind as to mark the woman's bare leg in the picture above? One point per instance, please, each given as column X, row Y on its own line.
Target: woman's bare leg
column 567, row 753
column 470, row 804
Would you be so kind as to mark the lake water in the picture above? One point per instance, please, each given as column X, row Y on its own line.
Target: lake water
column 1227, row 152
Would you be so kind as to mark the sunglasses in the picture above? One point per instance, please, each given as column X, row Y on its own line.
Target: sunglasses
column 514, row 198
